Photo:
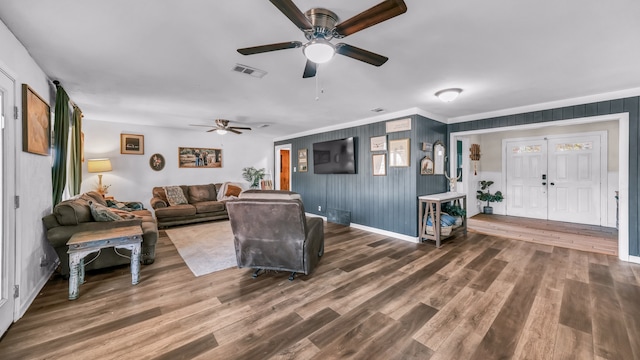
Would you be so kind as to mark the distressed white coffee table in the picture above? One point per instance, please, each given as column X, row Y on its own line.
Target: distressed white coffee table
column 84, row 243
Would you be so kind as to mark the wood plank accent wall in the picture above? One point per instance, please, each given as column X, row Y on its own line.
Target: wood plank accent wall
column 384, row 202
column 629, row 105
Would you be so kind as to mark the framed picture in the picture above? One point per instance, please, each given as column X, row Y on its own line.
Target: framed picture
column 399, row 152
column 189, row 157
column 426, row 166
column 157, row 162
column 379, row 143
column 36, row 123
column 379, row 164
column 132, row 144
column 302, row 161
column 398, row 125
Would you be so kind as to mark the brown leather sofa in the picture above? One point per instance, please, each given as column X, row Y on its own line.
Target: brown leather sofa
column 72, row 216
column 202, row 205
column 272, row 232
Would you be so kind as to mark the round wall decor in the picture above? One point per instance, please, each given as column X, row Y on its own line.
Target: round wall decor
column 157, row 162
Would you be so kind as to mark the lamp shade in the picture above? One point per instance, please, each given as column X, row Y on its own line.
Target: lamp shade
column 98, row 165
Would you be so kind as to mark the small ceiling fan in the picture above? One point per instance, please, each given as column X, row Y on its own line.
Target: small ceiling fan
column 222, row 126
column 321, row 25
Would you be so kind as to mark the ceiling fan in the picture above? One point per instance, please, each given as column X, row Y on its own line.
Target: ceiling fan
column 222, row 127
column 321, row 25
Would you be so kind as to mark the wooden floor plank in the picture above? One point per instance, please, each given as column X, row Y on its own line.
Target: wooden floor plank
column 477, row 296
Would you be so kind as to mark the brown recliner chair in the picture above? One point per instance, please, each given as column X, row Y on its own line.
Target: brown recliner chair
column 272, row 232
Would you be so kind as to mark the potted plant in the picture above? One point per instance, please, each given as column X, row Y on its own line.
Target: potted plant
column 485, row 195
column 253, row 176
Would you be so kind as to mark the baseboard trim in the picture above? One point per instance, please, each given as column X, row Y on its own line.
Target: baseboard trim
column 386, row 233
column 634, row 259
column 24, row 306
column 375, row 230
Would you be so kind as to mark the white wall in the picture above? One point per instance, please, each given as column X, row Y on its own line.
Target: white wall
column 132, row 178
column 32, row 175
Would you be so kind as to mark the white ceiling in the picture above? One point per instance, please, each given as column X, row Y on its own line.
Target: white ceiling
column 169, row 62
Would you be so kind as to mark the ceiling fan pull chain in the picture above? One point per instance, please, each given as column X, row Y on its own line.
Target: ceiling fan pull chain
column 319, row 90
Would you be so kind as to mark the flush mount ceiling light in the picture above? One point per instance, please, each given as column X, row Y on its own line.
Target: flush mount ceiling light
column 448, row 95
column 319, row 50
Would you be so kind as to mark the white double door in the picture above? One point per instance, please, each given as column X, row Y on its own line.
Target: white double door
column 555, row 178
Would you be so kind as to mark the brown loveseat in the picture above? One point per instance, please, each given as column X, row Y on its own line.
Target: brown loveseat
column 72, row 216
column 272, row 232
column 201, row 205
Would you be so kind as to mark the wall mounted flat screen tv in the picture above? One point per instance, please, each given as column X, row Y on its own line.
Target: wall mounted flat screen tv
column 335, row 157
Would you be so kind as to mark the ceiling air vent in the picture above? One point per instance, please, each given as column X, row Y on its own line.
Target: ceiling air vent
column 248, row 70
column 377, row 110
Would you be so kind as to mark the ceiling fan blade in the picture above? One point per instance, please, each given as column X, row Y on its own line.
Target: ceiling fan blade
column 214, row 129
column 238, row 128
column 233, row 131
column 377, row 14
column 360, row 54
column 290, row 10
column 310, row 69
column 200, row 125
column 270, row 47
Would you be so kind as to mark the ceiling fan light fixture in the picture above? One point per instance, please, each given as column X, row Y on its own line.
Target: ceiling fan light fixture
column 448, row 95
column 319, row 50
column 221, row 131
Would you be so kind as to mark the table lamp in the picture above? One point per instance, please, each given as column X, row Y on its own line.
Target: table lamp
column 99, row 166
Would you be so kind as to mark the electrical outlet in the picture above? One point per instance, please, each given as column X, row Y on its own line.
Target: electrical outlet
column 319, row 208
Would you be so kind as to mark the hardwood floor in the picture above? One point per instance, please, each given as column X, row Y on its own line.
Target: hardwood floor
column 590, row 238
column 371, row 297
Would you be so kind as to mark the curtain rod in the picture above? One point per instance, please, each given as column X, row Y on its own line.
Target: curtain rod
column 57, row 83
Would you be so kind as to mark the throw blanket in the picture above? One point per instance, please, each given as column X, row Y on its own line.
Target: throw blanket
column 125, row 206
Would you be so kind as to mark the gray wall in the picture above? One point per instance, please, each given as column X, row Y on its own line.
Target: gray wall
column 628, row 105
column 384, row 202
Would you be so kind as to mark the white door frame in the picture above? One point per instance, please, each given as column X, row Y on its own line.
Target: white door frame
column 603, row 163
column 623, row 166
column 8, row 178
column 276, row 163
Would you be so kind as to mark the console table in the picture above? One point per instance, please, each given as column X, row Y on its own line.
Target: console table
column 84, row 243
column 429, row 205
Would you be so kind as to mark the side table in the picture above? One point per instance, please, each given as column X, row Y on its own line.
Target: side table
column 433, row 203
column 84, row 243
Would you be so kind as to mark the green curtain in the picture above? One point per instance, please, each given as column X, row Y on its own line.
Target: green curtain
column 75, row 168
column 60, row 139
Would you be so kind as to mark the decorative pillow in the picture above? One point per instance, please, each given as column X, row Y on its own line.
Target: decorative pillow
column 102, row 213
column 222, row 193
column 445, row 220
column 233, row 190
column 175, row 195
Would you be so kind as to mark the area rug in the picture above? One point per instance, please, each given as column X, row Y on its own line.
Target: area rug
column 205, row 248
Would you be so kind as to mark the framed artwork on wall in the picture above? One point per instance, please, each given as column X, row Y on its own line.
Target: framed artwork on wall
column 426, row 166
column 398, row 125
column 379, row 164
column 302, row 161
column 157, row 162
column 36, row 123
column 132, row 144
column 379, row 143
column 189, row 157
column 399, row 152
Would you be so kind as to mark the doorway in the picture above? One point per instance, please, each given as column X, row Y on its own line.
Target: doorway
column 283, row 167
column 618, row 166
column 7, row 228
column 557, row 177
